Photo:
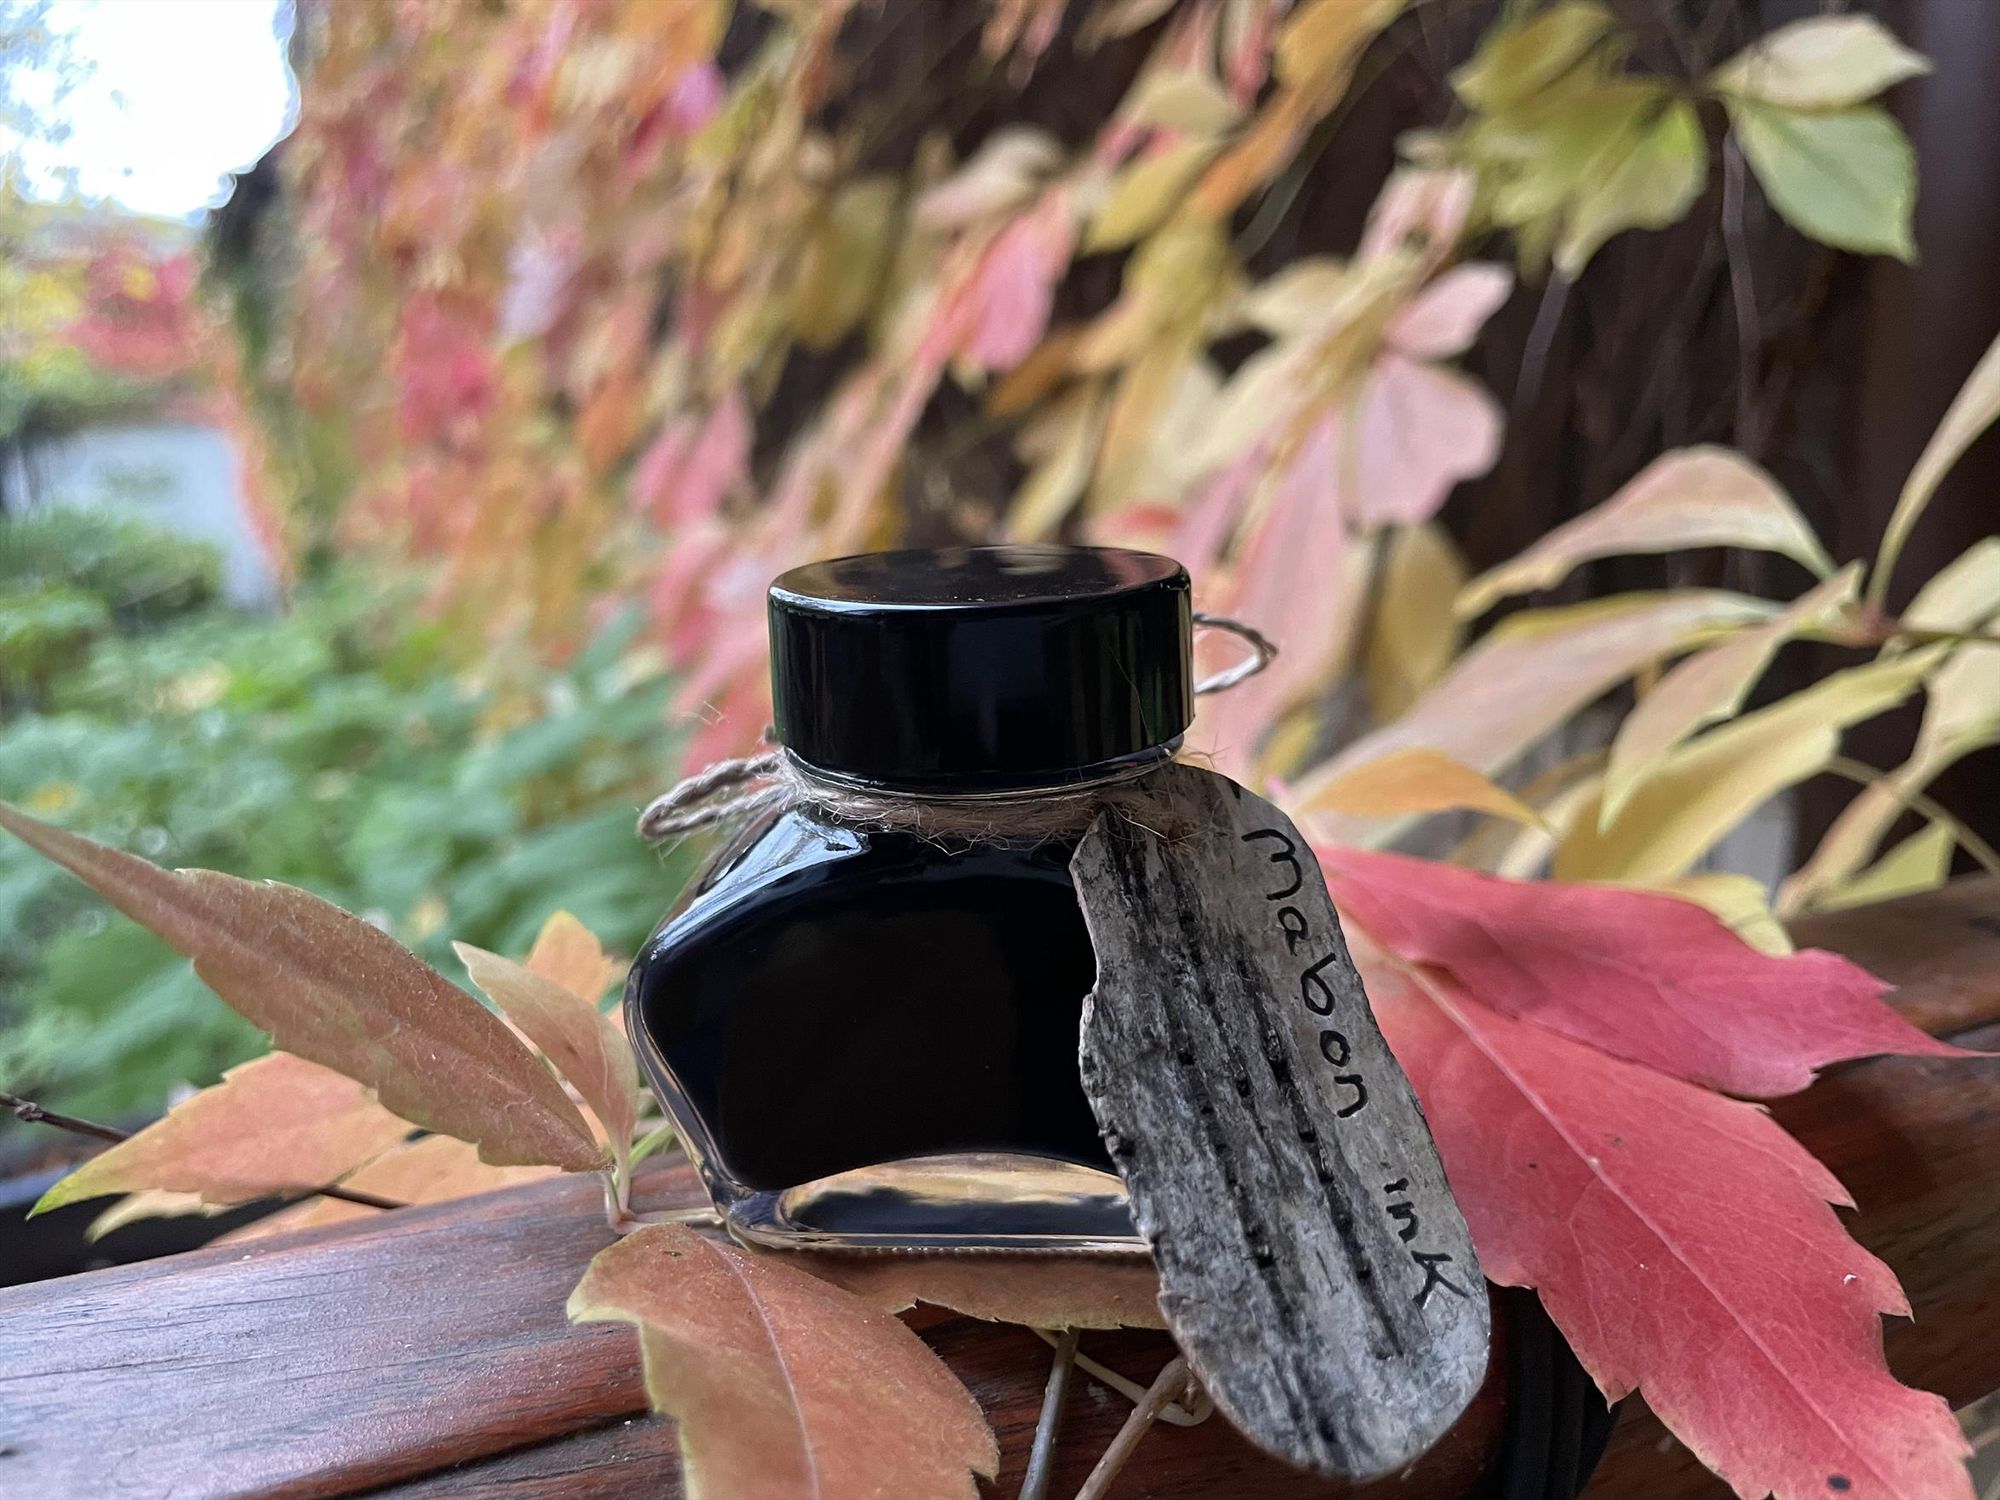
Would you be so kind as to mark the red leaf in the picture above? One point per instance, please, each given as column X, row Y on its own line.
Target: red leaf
column 1647, row 977
column 783, row 1385
column 1684, row 1245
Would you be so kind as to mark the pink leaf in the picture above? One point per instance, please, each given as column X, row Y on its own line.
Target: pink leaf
column 1428, row 206
column 1288, row 584
column 1684, row 1245
column 1008, row 300
column 1443, row 319
column 1416, row 431
column 687, row 472
column 1647, row 977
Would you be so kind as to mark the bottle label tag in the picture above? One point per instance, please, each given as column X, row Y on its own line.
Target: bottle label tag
column 1313, row 1264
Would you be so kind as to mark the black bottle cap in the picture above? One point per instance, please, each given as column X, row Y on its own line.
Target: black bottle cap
column 979, row 668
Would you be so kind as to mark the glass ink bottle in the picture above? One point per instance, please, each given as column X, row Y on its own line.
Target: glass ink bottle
column 867, row 1035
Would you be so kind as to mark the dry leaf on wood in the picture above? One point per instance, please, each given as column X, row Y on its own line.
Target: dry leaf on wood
column 435, row 1169
column 279, row 1124
column 1040, row 1291
column 341, row 993
column 782, row 1384
column 586, row 1046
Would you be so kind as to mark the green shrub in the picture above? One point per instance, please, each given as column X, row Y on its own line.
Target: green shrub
column 333, row 748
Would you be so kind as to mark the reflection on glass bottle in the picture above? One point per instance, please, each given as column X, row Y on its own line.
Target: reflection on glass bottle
column 868, row 1037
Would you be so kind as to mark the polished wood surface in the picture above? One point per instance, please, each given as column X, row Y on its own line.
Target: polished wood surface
column 425, row 1353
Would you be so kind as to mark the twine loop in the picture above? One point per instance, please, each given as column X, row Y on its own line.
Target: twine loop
column 774, row 779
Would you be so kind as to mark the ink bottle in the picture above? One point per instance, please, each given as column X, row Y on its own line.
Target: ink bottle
column 866, row 1032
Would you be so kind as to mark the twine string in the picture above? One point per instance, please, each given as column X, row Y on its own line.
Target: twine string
column 773, row 780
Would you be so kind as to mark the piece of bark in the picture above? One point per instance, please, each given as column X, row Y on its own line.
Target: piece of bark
column 1312, row 1261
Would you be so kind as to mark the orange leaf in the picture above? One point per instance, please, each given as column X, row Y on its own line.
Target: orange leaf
column 435, row 1169
column 568, row 954
column 337, row 991
column 276, row 1125
column 782, row 1384
column 586, row 1046
column 1040, row 1291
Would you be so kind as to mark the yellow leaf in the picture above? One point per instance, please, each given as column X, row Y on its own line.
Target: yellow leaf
column 150, row 1203
column 1963, row 594
column 1319, row 44
column 1962, row 715
column 845, row 262
column 1417, row 780
column 1183, row 100
column 1920, row 863
column 1711, row 685
column 1528, row 677
column 1691, row 497
column 1143, row 193
column 1739, row 900
column 1972, row 411
column 1297, row 297
column 1062, row 444
column 1824, row 62
column 1712, row 784
column 1414, row 634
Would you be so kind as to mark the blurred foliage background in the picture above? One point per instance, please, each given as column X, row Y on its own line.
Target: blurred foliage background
column 551, row 331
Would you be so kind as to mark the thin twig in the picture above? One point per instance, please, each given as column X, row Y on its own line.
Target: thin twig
column 1041, row 1457
column 34, row 1114
column 1923, row 806
column 1541, row 339
column 1169, row 1383
column 1749, row 330
column 1198, row 1411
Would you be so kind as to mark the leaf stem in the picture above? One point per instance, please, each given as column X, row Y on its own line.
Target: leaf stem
column 1041, row 1457
column 34, row 1114
column 1169, row 1383
column 1923, row 805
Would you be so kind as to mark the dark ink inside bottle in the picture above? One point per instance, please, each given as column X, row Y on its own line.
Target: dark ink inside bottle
column 866, row 1032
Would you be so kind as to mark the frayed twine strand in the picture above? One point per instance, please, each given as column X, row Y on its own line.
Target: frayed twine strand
column 773, row 780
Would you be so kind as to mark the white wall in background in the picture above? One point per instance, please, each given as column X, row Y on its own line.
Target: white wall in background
column 179, row 475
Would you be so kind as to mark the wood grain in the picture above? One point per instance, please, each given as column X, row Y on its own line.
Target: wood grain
column 1313, row 1263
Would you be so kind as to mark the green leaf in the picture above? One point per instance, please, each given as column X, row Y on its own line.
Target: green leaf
column 1517, row 61
column 1847, row 178
column 1144, row 193
column 1649, row 187
column 1826, row 62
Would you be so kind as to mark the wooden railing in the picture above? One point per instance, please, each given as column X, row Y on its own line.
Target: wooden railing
column 425, row 1352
